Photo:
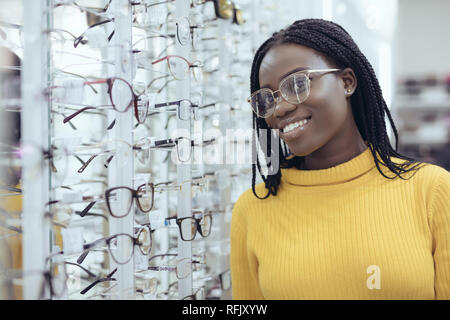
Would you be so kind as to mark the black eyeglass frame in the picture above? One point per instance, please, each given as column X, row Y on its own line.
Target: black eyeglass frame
column 198, row 229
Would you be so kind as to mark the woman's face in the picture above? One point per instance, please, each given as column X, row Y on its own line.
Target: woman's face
column 327, row 107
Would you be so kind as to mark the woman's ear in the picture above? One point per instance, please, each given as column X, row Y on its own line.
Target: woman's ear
column 349, row 80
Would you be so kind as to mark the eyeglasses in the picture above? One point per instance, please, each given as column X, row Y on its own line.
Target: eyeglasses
column 294, row 89
column 151, row 15
column 164, row 262
column 120, row 199
column 189, row 226
column 110, row 148
column 83, row 38
column 107, row 148
column 185, row 31
column 60, row 114
column 184, row 108
column 179, row 67
column 121, row 245
column 57, row 276
column 183, row 146
column 121, row 95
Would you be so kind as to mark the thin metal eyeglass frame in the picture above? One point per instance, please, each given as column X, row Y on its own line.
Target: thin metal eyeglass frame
column 305, row 73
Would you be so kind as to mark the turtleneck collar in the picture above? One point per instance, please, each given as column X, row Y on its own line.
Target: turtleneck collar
column 341, row 173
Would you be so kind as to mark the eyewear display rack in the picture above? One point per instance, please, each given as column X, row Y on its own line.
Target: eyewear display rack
column 50, row 247
column 108, row 166
column 34, row 131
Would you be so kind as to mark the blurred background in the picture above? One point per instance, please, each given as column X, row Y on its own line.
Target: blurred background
column 405, row 40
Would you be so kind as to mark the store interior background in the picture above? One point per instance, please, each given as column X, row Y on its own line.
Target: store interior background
column 405, row 40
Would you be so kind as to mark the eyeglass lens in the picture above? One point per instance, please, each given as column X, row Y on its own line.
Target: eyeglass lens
column 121, row 248
column 119, row 201
column 294, row 89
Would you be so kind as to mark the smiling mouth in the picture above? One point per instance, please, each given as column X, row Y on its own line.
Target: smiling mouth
column 295, row 125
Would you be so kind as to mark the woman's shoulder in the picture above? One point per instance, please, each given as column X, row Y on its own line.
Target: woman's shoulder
column 422, row 171
column 427, row 176
column 248, row 198
column 435, row 175
column 247, row 203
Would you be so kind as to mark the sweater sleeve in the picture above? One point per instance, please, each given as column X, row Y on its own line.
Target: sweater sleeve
column 243, row 263
column 440, row 215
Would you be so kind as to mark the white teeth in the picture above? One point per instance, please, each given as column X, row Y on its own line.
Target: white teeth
column 294, row 125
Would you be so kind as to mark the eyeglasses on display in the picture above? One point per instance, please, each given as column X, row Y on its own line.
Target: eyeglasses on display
column 121, row 95
column 121, row 245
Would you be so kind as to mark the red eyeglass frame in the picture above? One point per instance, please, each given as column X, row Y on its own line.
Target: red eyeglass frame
column 110, row 83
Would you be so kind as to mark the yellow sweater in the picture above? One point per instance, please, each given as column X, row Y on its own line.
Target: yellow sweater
column 345, row 232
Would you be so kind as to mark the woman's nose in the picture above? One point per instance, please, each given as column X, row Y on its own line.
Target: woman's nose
column 283, row 107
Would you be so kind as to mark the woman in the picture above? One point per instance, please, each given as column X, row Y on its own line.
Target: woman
column 346, row 216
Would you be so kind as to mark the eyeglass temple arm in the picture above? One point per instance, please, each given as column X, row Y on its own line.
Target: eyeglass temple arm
column 94, row 215
column 168, row 46
column 107, row 278
column 73, row 115
column 106, row 164
column 159, row 60
column 87, row 247
column 88, row 207
column 172, row 56
column 82, row 268
column 79, row 39
column 96, row 82
column 83, row 167
column 61, row 31
column 164, row 143
column 207, row 105
column 168, row 104
column 10, row 227
column 82, row 77
column 155, row 79
column 12, row 189
column 165, row 85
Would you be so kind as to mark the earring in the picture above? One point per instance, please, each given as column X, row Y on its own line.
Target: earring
column 349, row 91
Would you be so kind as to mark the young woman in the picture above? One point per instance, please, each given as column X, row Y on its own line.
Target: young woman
column 346, row 216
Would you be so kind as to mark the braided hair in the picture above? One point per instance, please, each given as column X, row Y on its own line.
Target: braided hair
column 368, row 105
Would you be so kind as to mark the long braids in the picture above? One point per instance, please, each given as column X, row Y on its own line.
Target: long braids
column 368, row 105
